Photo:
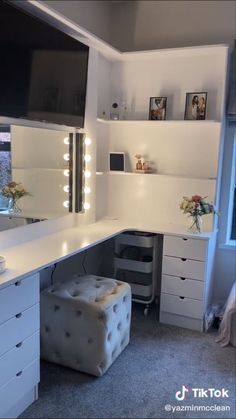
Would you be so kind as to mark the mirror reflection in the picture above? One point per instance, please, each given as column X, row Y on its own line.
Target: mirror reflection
column 37, row 159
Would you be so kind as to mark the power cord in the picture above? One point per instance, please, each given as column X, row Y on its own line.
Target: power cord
column 52, row 273
column 83, row 262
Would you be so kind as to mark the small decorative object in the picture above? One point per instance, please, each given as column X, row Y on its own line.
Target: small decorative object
column 195, row 106
column 141, row 165
column 2, row 264
column 117, row 161
column 196, row 206
column 157, row 108
column 14, row 191
column 115, row 111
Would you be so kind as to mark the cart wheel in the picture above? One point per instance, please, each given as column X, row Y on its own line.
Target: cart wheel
column 146, row 310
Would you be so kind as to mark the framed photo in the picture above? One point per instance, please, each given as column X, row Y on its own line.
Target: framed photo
column 195, row 106
column 157, row 108
column 116, row 161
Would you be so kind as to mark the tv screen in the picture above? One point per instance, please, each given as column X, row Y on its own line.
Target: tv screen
column 43, row 72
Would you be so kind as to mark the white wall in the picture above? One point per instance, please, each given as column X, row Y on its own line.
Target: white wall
column 225, row 265
column 140, row 25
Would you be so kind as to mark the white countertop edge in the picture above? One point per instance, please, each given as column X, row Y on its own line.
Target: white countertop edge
column 34, row 255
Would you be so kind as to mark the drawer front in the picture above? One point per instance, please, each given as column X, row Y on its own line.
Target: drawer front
column 187, row 268
column 18, row 358
column 18, row 297
column 185, row 287
column 185, row 247
column 18, row 386
column 182, row 306
column 18, row 328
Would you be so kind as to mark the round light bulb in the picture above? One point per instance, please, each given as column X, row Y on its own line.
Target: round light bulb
column 87, row 157
column 66, row 188
column 66, row 140
column 87, row 190
column 86, row 205
column 66, row 204
column 87, row 141
column 66, row 156
column 66, row 172
column 87, row 173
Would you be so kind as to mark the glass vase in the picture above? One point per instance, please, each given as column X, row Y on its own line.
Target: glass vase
column 195, row 224
column 13, row 207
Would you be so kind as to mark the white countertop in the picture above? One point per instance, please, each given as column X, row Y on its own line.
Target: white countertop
column 34, row 255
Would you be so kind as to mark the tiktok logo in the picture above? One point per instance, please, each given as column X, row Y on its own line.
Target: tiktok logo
column 180, row 395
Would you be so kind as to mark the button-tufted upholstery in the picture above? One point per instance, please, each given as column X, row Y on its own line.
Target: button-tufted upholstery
column 85, row 322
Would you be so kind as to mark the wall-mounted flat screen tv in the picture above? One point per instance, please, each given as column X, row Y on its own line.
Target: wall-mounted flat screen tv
column 43, row 72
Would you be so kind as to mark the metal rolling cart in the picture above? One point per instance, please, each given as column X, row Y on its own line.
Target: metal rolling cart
column 136, row 261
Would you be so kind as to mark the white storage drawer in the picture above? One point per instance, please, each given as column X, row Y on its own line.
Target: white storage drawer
column 182, row 306
column 135, row 240
column 185, row 287
column 18, row 386
column 187, row 268
column 133, row 265
column 18, row 328
column 185, row 247
column 18, row 358
column 18, row 296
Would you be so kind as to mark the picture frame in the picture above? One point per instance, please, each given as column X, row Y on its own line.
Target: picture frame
column 157, row 108
column 116, row 161
column 195, row 106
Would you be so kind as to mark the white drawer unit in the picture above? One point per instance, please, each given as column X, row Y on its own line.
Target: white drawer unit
column 18, row 296
column 182, row 306
column 182, row 286
column 19, row 357
column 16, row 388
column 18, row 328
column 186, row 268
column 19, row 345
column 185, row 247
column 184, row 272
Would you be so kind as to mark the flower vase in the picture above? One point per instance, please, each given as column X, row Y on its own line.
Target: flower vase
column 13, row 207
column 195, row 224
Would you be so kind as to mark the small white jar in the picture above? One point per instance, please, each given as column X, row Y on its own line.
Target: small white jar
column 2, row 264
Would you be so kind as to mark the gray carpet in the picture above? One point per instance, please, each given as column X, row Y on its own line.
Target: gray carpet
column 145, row 378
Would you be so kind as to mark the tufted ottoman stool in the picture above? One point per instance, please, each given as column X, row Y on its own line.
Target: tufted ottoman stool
column 85, row 322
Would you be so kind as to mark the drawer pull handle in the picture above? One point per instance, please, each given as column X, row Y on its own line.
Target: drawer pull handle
column 19, row 345
column 19, row 373
column 183, row 259
column 17, row 283
column 185, row 239
column 182, row 298
column 182, row 278
column 18, row 316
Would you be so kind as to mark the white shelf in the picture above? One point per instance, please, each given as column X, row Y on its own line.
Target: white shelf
column 133, row 265
column 151, row 174
column 166, row 122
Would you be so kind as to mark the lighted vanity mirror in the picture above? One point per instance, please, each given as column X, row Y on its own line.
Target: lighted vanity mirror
column 39, row 158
